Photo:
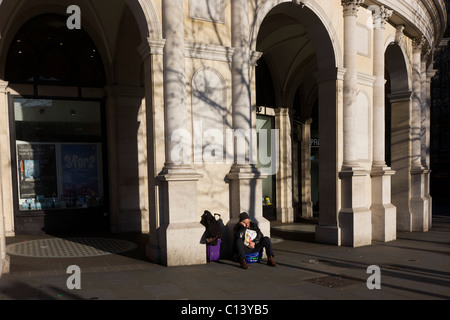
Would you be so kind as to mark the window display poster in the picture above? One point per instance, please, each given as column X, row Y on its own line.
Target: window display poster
column 79, row 165
column 37, row 170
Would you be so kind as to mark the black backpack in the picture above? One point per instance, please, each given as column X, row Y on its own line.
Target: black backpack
column 213, row 229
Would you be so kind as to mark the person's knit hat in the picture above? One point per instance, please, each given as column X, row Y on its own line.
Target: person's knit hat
column 243, row 216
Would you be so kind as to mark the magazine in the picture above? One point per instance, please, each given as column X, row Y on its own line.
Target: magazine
column 250, row 235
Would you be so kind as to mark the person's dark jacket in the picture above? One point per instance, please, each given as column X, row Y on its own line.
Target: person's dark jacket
column 239, row 232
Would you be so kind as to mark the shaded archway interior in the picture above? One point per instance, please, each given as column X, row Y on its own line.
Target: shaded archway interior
column 45, row 51
column 296, row 49
column 46, row 60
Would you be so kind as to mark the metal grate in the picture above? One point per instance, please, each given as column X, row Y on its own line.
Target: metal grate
column 69, row 247
column 336, row 281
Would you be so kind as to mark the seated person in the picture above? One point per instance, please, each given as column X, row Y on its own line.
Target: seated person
column 249, row 239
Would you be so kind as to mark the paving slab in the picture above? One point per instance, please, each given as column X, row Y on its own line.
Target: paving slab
column 415, row 266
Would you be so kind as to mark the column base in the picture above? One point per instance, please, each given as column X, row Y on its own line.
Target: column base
column 384, row 222
column 384, row 213
column 356, row 227
column 177, row 242
column 419, row 202
column 404, row 220
column 328, row 234
column 180, row 244
column 4, row 265
column 246, row 196
column 355, row 219
column 307, row 210
column 285, row 215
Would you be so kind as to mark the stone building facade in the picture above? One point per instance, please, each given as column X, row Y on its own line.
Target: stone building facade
column 138, row 115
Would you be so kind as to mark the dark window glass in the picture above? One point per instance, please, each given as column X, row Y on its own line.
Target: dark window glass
column 45, row 51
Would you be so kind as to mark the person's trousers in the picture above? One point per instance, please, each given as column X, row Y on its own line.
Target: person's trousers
column 241, row 249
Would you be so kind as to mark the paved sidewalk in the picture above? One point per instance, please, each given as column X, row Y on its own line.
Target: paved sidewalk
column 415, row 266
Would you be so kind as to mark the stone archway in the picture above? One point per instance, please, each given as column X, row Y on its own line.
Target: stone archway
column 128, row 88
column 303, row 61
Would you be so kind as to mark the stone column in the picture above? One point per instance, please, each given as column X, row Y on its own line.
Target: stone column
column 244, row 178
column 354, row 217
column 152, row 52
column 180, row 230
column 401, row 146
column 330, row 87
column 417, row 102
column 351, row 8
column 418, row 201
column 430, row 73
column 285, row 211
column 305, row 160
column 5, row 176
column 384, row 218
column 426, row 129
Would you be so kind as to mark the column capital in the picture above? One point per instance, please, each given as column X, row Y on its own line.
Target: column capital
column 426, row 53
column 380, row 16
column 281, row 111
column 151, row 46
column 351, row 7
column 418, row 44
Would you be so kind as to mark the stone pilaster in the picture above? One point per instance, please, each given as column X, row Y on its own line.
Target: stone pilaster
column 430, row 73
column 351, row 8
column 401, row 157
column 244, row 177
column 354, row 216
column 384, row 220
column 180, row 230
column 5, row 176
column 419, row 174
column 285, row 211
column 152, row 53
column 418, row 45
column 329, row 83
column 305, row 160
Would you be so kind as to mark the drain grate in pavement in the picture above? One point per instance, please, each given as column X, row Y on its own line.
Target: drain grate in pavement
column 69, row 247
column 336, row 281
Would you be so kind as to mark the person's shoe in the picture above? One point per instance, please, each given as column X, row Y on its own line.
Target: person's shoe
column 244, row 264
column 271, row 262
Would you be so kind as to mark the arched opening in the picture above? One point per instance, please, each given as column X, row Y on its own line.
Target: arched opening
column 57, row 143
column 45, row 52
column 296, row 86
column 398, row 128
column 77, row 102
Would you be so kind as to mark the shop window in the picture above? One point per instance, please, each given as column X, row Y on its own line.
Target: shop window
column 58, row 153
column 265, row 159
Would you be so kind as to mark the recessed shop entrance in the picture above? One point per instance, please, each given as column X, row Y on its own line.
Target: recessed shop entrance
column 296, row 84
column 58, row 138
column 58, row 165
